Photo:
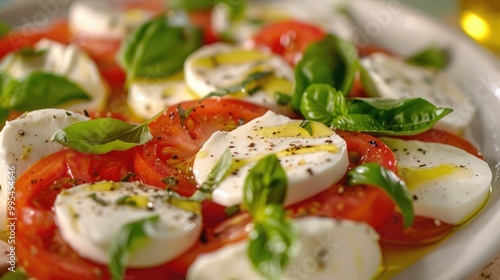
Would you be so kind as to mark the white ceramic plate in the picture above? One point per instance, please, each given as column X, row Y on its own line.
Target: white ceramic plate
column 405, row 31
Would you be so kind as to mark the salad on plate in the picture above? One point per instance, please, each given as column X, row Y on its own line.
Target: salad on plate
column 228, row 140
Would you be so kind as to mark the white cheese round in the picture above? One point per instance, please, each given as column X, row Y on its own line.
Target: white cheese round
column 220, row 66
column 312, row 162
column 104, row 20
column 447, row 183
column 329, row 249
column 90, row 216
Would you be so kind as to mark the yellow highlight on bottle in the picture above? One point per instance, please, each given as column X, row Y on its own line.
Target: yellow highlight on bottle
column 481, row 20
column 475, row 26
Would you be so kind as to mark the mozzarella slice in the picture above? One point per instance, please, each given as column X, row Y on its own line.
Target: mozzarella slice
column 104, row 20
column 219, row 66
column 146, row 98
column 312, row 162
column 68, row 61
column 447, row 183
column 329, row 249
column 89, row 216
column 26, row 139
column 390, row 77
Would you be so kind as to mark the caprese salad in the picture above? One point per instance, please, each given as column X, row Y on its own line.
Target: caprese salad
column 226, row 140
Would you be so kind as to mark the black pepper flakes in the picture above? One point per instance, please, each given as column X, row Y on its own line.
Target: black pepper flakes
column 309, row 170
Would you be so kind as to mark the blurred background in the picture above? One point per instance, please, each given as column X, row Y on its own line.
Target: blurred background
column 478, row 18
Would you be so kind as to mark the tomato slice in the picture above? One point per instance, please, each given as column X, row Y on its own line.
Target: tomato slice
column 288, row 38
column 40, row 248
column 360, row 203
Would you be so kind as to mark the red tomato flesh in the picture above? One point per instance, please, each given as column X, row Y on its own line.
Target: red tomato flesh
column 288, row 38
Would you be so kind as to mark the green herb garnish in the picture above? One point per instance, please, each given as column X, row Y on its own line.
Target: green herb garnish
column 375, row 175
column 432, row 57
column 273, row 240
column 410, row 116
column 131, row 237
column 30, row 93
column 330, row 61
column 98, row 200
column 158, row 48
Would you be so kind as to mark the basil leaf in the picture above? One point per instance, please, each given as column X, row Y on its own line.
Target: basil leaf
column 265, row 184
column 218, row 172
column 4, row 113
column 17, row 274
column 409, row 116
column 282, row 98
column 190, row 5
column 7, row 86
column 4, row 29
column 307, row 125
column 375, row 175
column 231, row 210
column 432, row 57
column 29, row 52
column 30, row 93
column 272, row 242
column 331, row 61
column 131, row 237
column 397, row 117
column 322, row 103
column 103, row 135
column 158, row 48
